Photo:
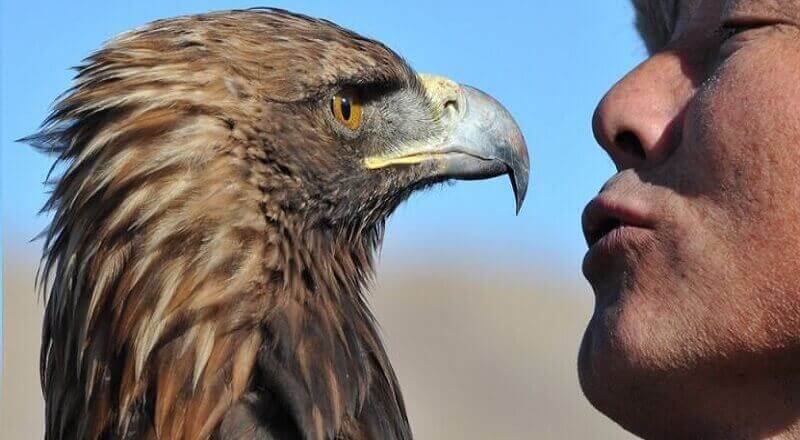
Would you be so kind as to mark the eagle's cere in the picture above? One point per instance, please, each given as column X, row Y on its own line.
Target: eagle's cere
column 226, row 181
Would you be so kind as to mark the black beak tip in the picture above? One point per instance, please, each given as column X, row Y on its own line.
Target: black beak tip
column 520, row 187
column 518, row 173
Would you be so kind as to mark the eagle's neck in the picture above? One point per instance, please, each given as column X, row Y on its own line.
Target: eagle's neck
column 179, row 288
column 322, row 354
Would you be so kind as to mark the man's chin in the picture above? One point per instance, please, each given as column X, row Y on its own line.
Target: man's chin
column 626, row 366
column 610, row 378
column 599, row 360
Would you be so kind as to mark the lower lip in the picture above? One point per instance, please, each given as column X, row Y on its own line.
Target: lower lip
column 617, row 240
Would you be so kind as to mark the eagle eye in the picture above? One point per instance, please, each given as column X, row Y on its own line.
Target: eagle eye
column 346, row 108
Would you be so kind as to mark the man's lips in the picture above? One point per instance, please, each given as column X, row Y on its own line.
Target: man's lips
column 606, row 213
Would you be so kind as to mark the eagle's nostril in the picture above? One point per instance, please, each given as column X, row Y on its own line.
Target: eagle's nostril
column 451, row 109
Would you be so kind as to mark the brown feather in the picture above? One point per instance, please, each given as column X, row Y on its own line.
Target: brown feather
column 192, row 283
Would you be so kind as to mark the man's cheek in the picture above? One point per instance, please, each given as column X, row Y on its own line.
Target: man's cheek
column 749, row 110
column 728, row 156
column 748, row 143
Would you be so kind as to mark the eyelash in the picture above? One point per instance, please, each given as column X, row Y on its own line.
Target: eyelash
column 728, row 31
column 731, row 29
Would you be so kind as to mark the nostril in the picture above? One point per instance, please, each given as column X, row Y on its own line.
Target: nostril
column 450, row 112
column 628, row 142
column 451, row 105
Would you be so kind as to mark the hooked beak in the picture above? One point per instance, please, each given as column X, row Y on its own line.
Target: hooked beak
column 480, row 141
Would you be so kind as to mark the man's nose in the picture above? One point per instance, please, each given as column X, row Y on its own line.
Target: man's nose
column 638, row 122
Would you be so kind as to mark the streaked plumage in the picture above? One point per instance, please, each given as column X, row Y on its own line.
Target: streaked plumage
column 214, row 229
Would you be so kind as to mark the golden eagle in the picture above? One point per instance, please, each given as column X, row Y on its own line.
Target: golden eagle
column 226, row 179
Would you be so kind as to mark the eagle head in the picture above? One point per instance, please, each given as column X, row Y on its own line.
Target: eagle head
column 345, row 129
column 225, row 181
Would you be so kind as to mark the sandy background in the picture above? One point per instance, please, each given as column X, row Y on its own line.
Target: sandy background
column 481, row 352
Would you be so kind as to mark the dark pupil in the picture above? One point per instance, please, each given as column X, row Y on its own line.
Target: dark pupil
column 346, row 109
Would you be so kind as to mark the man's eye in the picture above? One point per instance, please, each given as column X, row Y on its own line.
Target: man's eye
column 730, row 30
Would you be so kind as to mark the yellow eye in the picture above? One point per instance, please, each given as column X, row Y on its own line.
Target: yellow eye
column 346, row 108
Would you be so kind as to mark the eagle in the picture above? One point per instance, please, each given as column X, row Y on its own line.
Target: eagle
column 223, row 184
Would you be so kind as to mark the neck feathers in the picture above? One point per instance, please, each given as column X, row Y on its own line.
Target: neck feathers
column 171, row 294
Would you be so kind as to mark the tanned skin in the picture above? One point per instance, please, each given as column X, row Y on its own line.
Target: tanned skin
column 695, row 242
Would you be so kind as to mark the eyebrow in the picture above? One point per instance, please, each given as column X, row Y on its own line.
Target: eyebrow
column 655, row 21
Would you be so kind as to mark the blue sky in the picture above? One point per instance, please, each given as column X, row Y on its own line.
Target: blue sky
column 548, row 61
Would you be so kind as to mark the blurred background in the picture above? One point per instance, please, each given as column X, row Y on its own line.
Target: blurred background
column 482, row 311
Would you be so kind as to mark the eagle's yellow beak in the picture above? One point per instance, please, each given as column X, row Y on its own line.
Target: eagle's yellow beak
column 480, row 138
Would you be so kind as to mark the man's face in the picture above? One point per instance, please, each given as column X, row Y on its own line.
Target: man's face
column 695, row 244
